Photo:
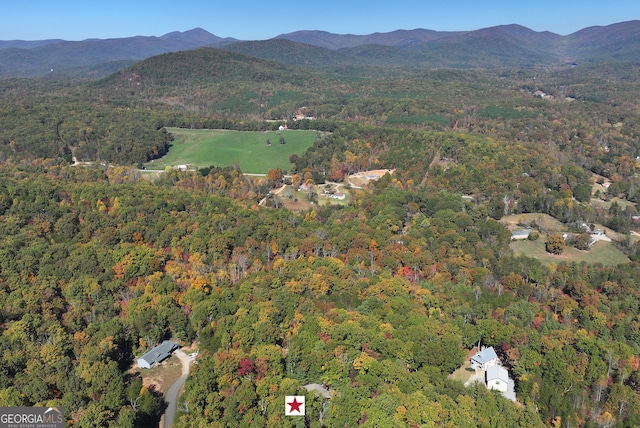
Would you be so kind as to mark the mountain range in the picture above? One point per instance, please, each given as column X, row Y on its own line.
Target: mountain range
column 493, row 47
column 94, row 56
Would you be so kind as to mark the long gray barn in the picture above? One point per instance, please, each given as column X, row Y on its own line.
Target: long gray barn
column 157, row 354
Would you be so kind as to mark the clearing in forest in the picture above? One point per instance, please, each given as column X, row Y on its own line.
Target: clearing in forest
column 543, row 222
column 601, row 252
column 362, row 178
column 161, row 376
column 247, row 149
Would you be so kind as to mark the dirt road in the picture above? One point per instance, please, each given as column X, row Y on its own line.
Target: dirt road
column 173, row 393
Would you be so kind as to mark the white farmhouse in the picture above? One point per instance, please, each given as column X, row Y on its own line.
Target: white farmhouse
column 485, row 359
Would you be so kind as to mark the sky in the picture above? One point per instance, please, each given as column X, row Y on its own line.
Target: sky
column 264, row 19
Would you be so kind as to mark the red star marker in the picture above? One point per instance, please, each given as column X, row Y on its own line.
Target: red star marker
column 294, row 405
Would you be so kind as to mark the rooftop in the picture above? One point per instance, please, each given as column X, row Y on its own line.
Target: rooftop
column 322, row 390
column 497, row 372
column 160, row 352
column 485, row 355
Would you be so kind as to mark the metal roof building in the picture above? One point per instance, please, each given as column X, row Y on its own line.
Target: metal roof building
column 484, row 359
column 157, row 354
column 497, row 378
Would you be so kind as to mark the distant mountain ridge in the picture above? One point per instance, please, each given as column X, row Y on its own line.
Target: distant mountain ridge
column 27, row 44
column 422, row 36
column 30, row 59
column 394, row 38
column 494, row 47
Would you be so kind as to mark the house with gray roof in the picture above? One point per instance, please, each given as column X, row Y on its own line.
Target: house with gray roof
column 320, row 389
column 157, row 354
column 497, row 378
column 485, row 359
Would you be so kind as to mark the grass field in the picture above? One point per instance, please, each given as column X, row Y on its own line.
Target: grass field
column 544, row 221
column 607, row 204
column 248, row 150
column 601, row 252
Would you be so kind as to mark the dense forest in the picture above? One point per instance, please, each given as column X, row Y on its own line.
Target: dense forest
column 380, row 300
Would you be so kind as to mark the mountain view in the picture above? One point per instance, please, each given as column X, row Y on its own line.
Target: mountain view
column 495, row 47
column 400, row 229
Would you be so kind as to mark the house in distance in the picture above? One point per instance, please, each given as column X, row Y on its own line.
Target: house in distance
column 157, row 354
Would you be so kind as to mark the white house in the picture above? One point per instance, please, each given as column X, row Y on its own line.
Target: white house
column 485, row 359
column 520, row 234
column 157, row 354
column 497, row 378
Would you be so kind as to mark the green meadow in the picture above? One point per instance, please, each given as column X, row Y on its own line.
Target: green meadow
column 247, row 149
column 601, row 252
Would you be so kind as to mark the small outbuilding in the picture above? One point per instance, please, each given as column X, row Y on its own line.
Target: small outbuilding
column 157, row 354
column 497, row 378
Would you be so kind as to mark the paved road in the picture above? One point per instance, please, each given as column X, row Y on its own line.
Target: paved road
column 173, row 393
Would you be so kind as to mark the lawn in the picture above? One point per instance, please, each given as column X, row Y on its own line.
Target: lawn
column 248, row 150
column 601, row 252
column 463, row 373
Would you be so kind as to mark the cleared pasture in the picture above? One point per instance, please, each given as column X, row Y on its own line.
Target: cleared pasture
column 247, row 149
column 601, row 252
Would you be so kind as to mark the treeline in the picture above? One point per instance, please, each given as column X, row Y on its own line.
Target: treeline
column 38, row 129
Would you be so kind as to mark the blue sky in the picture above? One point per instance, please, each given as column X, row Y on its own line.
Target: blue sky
column 257, row 20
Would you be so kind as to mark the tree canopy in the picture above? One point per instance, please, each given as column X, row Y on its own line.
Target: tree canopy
column 381, row 298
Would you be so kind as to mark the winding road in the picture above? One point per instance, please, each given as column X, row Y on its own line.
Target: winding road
column 174, row 390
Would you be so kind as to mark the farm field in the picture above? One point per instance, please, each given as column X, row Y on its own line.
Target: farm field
column 247, row 149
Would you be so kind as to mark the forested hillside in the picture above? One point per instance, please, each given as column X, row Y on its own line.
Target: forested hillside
column 380, row 299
